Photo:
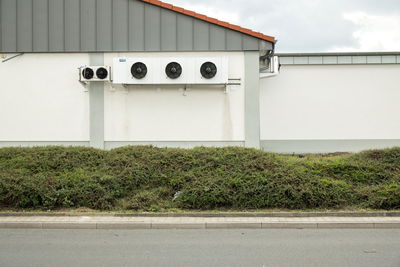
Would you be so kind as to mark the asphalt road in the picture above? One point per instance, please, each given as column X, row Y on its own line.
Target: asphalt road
column 304, row 247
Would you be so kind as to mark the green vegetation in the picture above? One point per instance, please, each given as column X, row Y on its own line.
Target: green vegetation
column 155, row 179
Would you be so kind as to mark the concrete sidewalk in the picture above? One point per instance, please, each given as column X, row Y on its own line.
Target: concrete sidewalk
column 115, row 222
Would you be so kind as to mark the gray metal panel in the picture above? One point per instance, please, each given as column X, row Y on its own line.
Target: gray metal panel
column 287, row 60
column 217, row 38
column 264, row 45
column 152, row 28
column 359, row 59
column 136, row 26
column 233, row 40
column 337, row 59
column 201, row 33
column 56, row 25
column 9, row 25
column 337, row 54
column 249, row 43
column 24, row 25
column 120, row 25
column 104, row 25
column 185, row 33
column 168, row 30
column 110, row 25
column 88, row 25
column 72, row 25
column 344, row 60
column 330, row 60
column 388, row 59
column 40, row 26
column 374, row 59
column 315, row 60
column 301, row 60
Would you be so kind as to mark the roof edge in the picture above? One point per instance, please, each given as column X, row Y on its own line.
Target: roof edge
column 313, row 54
column 212, row 20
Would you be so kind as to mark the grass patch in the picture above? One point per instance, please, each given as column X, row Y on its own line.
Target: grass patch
column 145, row 178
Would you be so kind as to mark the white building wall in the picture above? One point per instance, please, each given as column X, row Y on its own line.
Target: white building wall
column 331, row 102
column 307, row 108
column 169, row 113
column 41, row 99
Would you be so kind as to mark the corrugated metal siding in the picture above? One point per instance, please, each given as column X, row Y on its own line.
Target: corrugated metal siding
column 109, row 25
column 340, row 58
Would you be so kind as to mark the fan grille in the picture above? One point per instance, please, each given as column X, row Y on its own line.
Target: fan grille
column 139, row 70
column 173, row 70
column 208, row 70
column 102, row 73
column 87, row 73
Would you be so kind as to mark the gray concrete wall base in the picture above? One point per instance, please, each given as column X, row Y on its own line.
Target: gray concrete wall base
column 96, row 105
column 326, row 146
column 42, row 143
column 252, row 99
column 177, row 144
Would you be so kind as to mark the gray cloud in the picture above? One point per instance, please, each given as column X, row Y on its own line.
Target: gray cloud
column 299, row 25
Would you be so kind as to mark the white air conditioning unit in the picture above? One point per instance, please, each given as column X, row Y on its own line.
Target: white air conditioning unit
column 211, row 70
column 95, row 74
column 170, row 70
column 135, row 70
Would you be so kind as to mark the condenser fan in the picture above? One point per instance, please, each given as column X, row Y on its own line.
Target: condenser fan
column 102, row 73
column 208, row 70
column 173, row 70
column 87, row 73
column 139, row 70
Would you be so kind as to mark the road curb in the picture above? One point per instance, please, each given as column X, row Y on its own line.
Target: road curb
column 213, row 225
column 206, row 214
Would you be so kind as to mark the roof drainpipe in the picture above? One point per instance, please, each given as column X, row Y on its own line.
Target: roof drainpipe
column 272, row 70
column 272, row 67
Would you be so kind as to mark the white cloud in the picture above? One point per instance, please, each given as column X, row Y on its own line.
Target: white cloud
column 312, row 25
column 374, row 32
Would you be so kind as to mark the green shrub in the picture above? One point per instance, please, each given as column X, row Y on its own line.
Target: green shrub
column 151, row 179
column 380, row 197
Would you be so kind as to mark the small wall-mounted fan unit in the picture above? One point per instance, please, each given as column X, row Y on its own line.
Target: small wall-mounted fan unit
column 95, row 74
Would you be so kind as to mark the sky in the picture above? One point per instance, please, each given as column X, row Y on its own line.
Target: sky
column 312, row 25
